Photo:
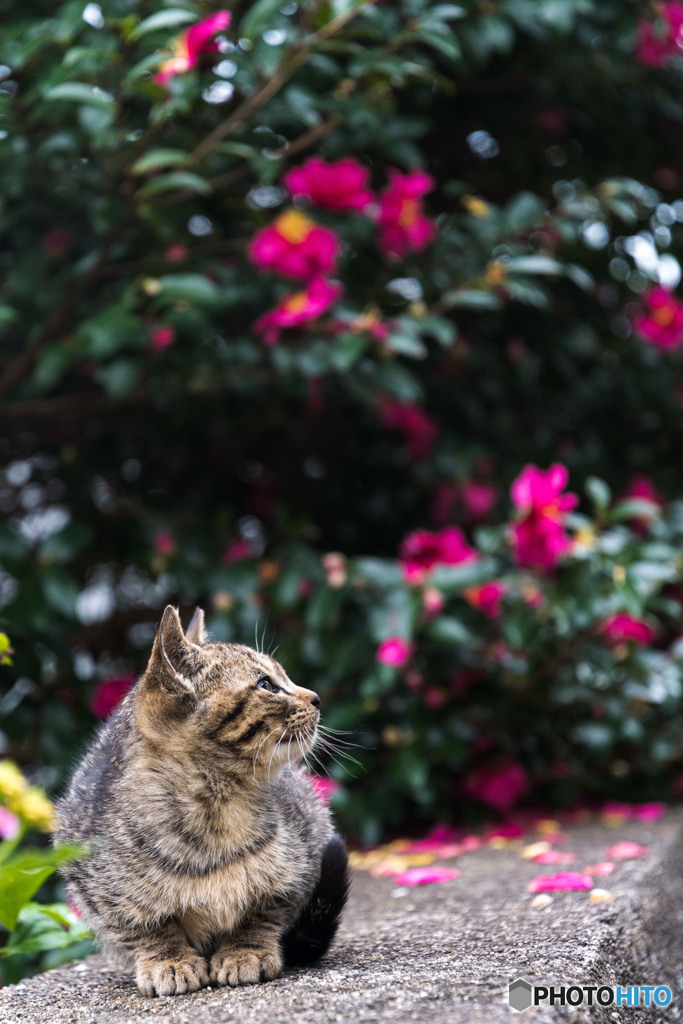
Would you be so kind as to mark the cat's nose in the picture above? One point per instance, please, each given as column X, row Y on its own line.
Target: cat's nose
column 315, row 701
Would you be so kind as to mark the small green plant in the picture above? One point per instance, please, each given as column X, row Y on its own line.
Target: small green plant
column 39, row 935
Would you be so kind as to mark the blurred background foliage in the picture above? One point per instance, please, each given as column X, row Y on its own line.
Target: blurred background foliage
column 154, row 449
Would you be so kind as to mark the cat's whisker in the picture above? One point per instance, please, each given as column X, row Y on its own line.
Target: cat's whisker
column 328, row 748
column 274, row 749
column 258, row 751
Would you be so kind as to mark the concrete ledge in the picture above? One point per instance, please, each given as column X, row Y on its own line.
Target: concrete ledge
column 441, row 954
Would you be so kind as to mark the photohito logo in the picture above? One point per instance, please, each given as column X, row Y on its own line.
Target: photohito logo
column 522, row 994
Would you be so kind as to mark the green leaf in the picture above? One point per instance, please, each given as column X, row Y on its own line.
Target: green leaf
column 455, row 578
column 44, row 926
column 81, row 92
column 175, row 180
column 470, row 298
column 449, row 630
column 17, row 886
column 23, row 874
column 156, row 158
column 192, row 287
column 598, row 492
column 172, row 18
column 634, row 508
column 259, row 17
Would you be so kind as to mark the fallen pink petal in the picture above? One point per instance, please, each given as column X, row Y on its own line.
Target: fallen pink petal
column 605, row 867
column 427, row 876
column 626, row 851
column 555, row 857
column 566, row 880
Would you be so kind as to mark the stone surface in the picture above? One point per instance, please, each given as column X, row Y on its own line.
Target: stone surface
column 439, row 954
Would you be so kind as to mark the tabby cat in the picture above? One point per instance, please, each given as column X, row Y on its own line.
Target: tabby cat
column 213, row 860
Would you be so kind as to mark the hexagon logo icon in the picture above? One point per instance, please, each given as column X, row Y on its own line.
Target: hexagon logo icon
column 519, row 995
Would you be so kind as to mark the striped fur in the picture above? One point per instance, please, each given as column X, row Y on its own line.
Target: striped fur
column 207, row 836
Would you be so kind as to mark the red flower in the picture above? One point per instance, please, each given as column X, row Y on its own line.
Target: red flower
column 236, row 551
column 499, row 786
column 403, row 227
column 422, row 550
column 418, row 428
column 162, row 337
column 56, row 242
column 487, row 598
column 622, row 627
column 109, row 693
column 539, row 538
column 295, row 246
column 395, row 652
column 662, row 322
column 658, row 41
column 337, row 186
column 297, row 308
column 191, row 45
column 164, row 543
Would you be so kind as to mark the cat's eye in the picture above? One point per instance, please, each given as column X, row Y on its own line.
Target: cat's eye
column 265, row 683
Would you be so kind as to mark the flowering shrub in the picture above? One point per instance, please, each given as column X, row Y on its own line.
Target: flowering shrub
column 360, row 325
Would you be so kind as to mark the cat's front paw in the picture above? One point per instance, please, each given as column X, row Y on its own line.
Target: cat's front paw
column 172, row 977
column 244, row 966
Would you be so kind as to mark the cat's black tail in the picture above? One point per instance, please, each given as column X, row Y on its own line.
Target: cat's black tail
column 310, row 937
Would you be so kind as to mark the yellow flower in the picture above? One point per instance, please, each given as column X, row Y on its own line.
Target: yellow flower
column 12, row 782
column 5, row 650
column 477, row 207
column 36, row 810
column 495, row 272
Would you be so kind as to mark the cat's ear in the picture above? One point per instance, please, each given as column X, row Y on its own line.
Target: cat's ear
column 195, row 632
column 173, row 658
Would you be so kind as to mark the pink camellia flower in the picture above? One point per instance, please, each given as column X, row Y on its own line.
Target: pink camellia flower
column 433, row 601
column 9, row 824
column 336, row 186
column 650, row 812
column 642, row 487
column 192, row 44
column 176, row 252
column 164, row 543
column 487, row 598
column 660, row 40
column 325, row 788
column 236, row 550
column 403, row 227
column 418, row 429
column 435, row 698
column 623, row 627
column 511, row 830
column 626, row 851
column 478, row 499
column 661, row 324
column 427, row 876
column 539, row 537
column 499, row 786
column 56, row 242
column 109, row 693
column 566, row 880
column 395, row 652
column 162, row 337
column 297, row 309
column 421, row 551
column 295, row 246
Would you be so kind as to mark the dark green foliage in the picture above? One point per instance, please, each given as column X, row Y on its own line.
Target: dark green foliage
column 128, row 471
